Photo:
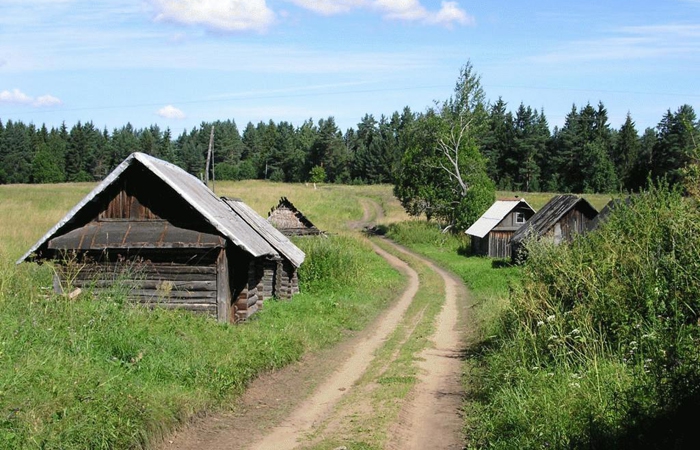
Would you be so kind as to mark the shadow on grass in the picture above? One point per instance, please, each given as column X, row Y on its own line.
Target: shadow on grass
column 501, row 263
column 672, row 429
column 376, row 230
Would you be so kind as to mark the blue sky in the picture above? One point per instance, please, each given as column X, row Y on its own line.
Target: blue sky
column 177, row 63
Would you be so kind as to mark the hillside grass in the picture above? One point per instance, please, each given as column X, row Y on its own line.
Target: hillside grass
column 102, row 373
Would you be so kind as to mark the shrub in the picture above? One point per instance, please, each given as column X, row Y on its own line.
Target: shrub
column 600, row 345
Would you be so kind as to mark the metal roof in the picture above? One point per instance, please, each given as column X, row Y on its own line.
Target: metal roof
column 271, row 234
column 191, row 189
column 545, row 218
column 493, row 216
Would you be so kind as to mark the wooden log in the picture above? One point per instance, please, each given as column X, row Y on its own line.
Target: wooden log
column 148, row 268
column 159, row 285
column 223, row 290
column 174, row 301
column 171, row 294
column 195, row 307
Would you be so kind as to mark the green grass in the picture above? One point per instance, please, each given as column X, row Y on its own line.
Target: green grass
column 102, row 373
column 595, row 344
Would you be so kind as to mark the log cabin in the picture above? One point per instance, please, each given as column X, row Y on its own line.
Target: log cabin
column 290, row 221
column 491, row 234
column 560, row 220
column 165, row 238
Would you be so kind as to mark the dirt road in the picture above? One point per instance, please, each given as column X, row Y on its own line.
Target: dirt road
column 309, row 404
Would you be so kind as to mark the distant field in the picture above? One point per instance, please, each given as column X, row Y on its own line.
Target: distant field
column 29, row 211
column 538, row 199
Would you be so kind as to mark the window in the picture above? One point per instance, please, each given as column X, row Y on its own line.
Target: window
column 519, row 217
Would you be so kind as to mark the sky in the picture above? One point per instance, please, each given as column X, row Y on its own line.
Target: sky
column 178, row 63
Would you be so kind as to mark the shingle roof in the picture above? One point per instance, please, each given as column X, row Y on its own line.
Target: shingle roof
column 192, row 190
column 493, row 216
column 287, row 218
column 550, row 213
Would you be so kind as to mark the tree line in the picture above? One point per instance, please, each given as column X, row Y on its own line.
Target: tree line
column 520, row 151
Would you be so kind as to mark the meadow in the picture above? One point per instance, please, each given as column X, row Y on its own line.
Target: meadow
column 100, row 373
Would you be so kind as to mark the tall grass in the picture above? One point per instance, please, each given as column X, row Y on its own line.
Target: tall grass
column 600, row 346
column 102, row 373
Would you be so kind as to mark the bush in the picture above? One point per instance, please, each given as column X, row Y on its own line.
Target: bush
column 600, row 347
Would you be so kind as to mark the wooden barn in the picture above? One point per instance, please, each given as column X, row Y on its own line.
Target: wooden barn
column 563, row 217
column 290, row 221
column 491, row 234
column 163, row 236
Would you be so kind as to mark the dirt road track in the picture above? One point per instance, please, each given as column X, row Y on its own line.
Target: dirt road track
column 279, row 409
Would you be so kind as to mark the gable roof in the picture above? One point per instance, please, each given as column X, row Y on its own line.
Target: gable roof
column 265, row 229
column 214, row 210
column 550, row 214
column 285, row 216
column 493, row 216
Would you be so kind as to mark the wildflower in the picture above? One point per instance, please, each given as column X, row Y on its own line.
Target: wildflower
column 551, row 318
column 540, row 323
column 576, row 385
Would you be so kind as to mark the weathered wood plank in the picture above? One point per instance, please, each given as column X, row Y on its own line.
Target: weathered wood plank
column 172, row 295
column 223, row 291
column 172, row 300
column 156, row 285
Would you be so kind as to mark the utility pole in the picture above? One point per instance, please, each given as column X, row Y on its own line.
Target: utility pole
column 209, row 159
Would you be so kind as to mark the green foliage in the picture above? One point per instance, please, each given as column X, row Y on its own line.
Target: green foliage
column 444, row 175
column 601, row 340
column 317, row 175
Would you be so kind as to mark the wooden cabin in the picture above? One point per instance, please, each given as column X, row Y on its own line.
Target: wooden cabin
column 491, row 234
column 562, row 218
column 608, row 209
column 290, row 221
column 164, row 237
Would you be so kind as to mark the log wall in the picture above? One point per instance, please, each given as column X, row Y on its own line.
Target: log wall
column 169, row 285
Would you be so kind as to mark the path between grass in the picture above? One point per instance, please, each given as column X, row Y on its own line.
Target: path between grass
column 338, row 397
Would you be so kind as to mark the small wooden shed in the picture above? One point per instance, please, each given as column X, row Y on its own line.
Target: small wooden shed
column 491, row 234
column 562, row 218
column 608, row 209
column 169, row 241
column 290, row 221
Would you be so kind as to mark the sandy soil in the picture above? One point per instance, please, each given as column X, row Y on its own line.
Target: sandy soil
column 280, row 409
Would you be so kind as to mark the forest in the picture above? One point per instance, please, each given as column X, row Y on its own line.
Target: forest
column 521, row 152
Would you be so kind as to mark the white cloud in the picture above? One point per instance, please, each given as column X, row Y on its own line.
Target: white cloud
column 450, row 13
column 47, row 100
column 630, row 43
column 329, row 7
column 222, row 15
column 171, row 112
column 20, row 98
column 405, row 10
column 15, row 96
